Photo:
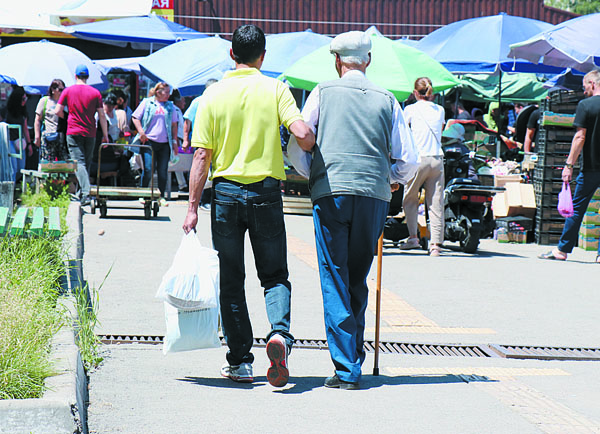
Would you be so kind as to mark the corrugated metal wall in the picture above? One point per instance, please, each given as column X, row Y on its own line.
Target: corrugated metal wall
column 394, row 18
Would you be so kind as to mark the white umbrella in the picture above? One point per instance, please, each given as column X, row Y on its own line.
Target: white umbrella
column 36, row 64
column 573, row 44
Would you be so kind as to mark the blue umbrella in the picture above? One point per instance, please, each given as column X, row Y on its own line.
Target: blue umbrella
column 481, row 45
column 36, row 64
column 125, row 64
column 187, row 65
column 146, row 32
column 284, row 49
column 573, row 44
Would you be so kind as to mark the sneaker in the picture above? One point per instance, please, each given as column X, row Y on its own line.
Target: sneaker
column 205, row 206
column 85, row 201
column 278, row 374
column 410, row 243
column 241, row 373
column 162, row 202
column 334, row 382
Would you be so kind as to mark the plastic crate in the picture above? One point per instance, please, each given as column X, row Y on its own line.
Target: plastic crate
column 559, row 96
column 546, row 199
column 547, row 238
column 555, row 159
column 550, row 225
column 555, row 134
column 548, row 213
column 547, row 173
column 553, row 147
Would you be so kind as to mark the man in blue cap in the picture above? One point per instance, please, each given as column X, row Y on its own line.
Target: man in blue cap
column 83, row 102
column 350, row 179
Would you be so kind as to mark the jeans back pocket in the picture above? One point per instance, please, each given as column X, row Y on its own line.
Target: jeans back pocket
column 268, row 218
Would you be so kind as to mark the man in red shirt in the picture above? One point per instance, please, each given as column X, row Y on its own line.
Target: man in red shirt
column 83, row 102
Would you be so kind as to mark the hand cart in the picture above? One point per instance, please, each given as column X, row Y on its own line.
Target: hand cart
column 101, row 194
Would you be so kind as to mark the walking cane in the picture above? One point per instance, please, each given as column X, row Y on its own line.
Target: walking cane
column 378, row 303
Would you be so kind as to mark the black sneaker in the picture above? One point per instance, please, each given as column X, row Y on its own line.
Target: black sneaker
column 335, row 383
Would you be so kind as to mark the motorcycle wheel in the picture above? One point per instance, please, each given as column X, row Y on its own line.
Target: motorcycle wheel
column 470, row 243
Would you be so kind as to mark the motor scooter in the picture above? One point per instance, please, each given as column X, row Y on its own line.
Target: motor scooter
column 467, row 204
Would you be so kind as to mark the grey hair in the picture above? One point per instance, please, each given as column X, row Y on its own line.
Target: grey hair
column 593, row 75
column 355, row 60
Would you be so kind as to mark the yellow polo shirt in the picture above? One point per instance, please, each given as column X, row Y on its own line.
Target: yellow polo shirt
column 239, row 118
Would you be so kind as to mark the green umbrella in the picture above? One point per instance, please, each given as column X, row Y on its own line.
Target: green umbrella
column 519, row 87
column 394, row 66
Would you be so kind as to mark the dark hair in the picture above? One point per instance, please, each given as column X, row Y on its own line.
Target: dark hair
column 248, row 43
column 118, row 93
column 110, row 99
column 56, row 83
column 14, row 104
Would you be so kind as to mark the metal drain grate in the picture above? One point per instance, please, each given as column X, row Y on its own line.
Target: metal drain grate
column 321, row 344
column 546, row 353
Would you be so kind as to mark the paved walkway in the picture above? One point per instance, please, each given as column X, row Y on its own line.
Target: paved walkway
column 503, row 295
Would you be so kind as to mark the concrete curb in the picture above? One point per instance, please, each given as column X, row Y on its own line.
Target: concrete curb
column 63, row 408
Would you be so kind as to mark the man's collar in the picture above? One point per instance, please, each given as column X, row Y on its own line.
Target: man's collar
column 354, row 73
column 241, row 72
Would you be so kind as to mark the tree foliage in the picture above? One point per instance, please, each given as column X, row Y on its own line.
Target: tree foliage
column 582, row 7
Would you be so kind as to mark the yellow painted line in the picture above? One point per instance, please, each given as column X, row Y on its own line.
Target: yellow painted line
column 434, row 330
column 492, row 373
column 397, row 315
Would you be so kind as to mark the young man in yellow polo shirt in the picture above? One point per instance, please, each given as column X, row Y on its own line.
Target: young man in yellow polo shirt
column 237, row 128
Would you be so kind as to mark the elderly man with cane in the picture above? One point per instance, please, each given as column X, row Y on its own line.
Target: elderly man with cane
column 360, row 125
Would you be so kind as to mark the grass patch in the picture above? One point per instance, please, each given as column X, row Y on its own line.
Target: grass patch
column 86, row 302
column 30, row 269
column 46, row 200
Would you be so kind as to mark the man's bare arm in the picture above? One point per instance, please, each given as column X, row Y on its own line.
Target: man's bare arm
column 198, row 176
column 303, row 134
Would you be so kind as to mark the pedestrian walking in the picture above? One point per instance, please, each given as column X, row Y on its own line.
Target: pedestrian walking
column 426, row 120
column 586, row 140
column 237, row 128
column 360, row 126
column 156, row 123
column 83, row 103
column 47, row 127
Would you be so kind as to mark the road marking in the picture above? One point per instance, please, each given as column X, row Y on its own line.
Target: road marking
column 397, row 315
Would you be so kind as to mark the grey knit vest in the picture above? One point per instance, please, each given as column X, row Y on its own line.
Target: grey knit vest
column 351, row 155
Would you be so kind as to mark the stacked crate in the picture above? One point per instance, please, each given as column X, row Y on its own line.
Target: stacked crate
column 553, row 144
column 589, row 233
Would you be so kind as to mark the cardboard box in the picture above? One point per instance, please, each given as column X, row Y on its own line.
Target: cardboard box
column 588, row 243
column 591, row 218
column 593, row 206
column 501, row 180
column 590, row 231
column 518, row 199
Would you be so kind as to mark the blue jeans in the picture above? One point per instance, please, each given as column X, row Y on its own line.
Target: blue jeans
column 587, row 183
column 162, row 155
column 346, row 231
column 258, row 209
column 81, row 149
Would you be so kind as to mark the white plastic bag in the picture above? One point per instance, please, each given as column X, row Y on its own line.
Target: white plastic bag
column 191, row 329
column 300, row 159
column 192, row 282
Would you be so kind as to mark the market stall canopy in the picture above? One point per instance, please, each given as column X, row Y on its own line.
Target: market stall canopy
column 147, row 32
column 573, row 44
column 519, row 87
column 481, row 45
column 124, row 64
column 393, row 66
column 36, row 64
column 187, row 65
column 51, row 16
column 284, row 49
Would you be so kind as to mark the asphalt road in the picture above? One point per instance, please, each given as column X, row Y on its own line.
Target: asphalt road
column 502, row 295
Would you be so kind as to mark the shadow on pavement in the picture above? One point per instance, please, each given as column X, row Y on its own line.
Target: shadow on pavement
column 140, row 218
column 299, row 385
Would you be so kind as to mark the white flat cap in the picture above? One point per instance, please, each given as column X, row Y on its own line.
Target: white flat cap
column 351, row 44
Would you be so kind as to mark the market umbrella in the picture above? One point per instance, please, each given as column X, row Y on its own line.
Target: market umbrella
column 36, row 64
column 131, row 64
column 481, row 45
column 284, row 49
column 519, row 87
column 573, row 44
column 146, row 32
column 187, row 65
column 394, row 67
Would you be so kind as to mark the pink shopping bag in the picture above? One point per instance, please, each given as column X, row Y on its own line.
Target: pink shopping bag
column 565, row 201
